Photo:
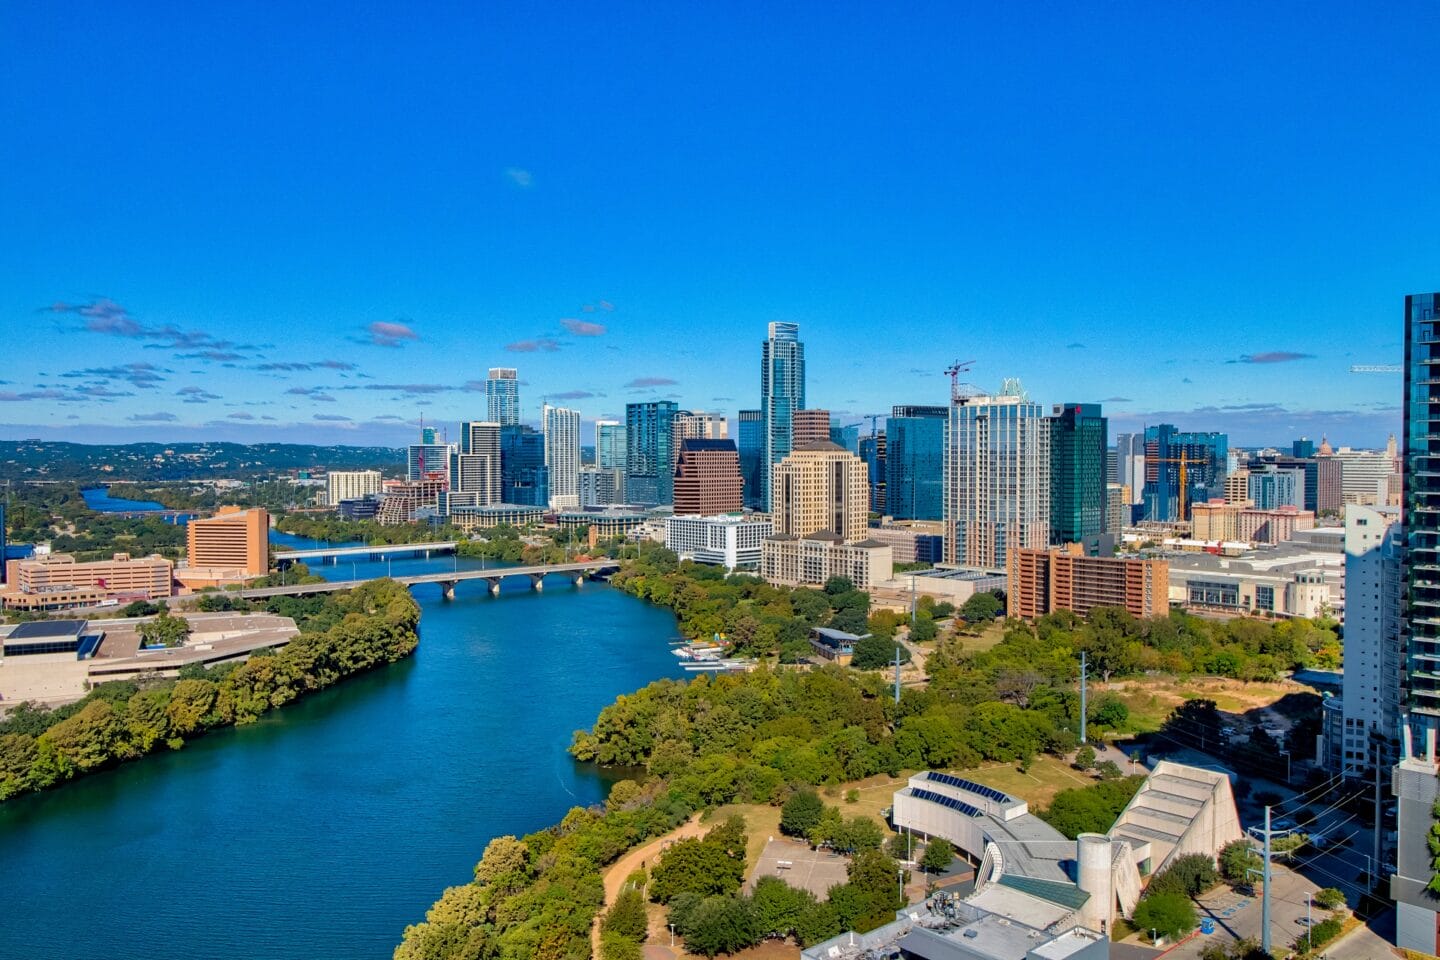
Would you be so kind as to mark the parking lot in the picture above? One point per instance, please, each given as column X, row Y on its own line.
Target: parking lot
column 799, row 866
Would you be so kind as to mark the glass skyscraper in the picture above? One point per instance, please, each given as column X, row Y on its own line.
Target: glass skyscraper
column 1205, row 456
column 997, row 479
column 649, row 459
column 523, row 478
column 1079, row 440
column 502, row 396
column 562, row 455
column 782, row 392
column 915, row 465
column 1421, row 510
column 847, row 437
column 752, row 455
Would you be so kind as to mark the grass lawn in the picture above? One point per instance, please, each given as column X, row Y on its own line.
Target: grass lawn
column 1047, row 776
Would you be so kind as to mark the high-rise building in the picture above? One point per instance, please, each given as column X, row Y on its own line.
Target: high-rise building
column 782, row 392
column 920, row 410
column 1370, row 698
column 1302, row 449
column 649, row 458
column 1414, row 780
column 429, row 459
column 1270, row 487
column 915, row 464
column 562, row 455
column 1064, row 578
column 3, row 541
column 730, row 540
column 695, row 425
column 1130, row 462
column 1117, row 507
column 707, row 478
column 610, row 452
column 1237, row 486
column 1318, row 477
column 600, row 487
column 502, row 396
column 1365, row 474
column 233, row 539
column 997, row 479
column 810, row 426
column 1078, row 443
column 350, row 485
column 524, row 480
column 752, row 455
column 872, row 451
column 847, row 436
column 820, row 488
column 1204, row 459
column 476, row 467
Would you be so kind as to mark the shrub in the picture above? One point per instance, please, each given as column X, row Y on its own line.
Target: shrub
column 1190, row 875
column 1236, row 858
column 627, row 917
column 1318, row 935
column 1330, row 898
column 1085, row 757
column 1168, row 914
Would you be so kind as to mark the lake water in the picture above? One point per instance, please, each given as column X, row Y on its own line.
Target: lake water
column 322, row 830
column 98, row 498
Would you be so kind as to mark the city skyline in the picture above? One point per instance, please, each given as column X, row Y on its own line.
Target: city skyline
column 196, row 282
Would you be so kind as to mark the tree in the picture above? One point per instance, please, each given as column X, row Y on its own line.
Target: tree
column 1237, row 858
column 838, row 585
column 1168, row 914
column 721, row 925
column 1091, row 809
column 938, row 855
column 923, row 629
column 777, row 906
column 1085, row 757
column 1108, row 770
column 1190, row 875
column 714, row 865
column 850, row 619
column 801, row 813
column 902, row 846
column 164, row 630
column 877, row 653
column 817, row 923
column 627, row 917
column 980, row 607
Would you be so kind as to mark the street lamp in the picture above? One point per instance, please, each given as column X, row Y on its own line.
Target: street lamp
column 672, row 934
column 1307, row 913
column 900, row 875
column 1286, row 755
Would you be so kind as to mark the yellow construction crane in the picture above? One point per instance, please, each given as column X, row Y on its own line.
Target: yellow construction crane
column 1183, row 460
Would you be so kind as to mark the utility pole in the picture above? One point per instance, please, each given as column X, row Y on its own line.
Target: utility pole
column 1083, row 667
column 1265, row 893
column 897, row 673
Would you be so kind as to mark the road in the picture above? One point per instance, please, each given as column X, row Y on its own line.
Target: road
column 614, row 877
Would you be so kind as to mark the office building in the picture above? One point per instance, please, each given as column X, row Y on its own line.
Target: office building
column 751, row 446
column 1237, row 487
column 470, row 519
column 1117, row 507
column 610, row 451
column 872, row 451
column 649, row 455
column 1201, row 458
column 707, row 478
column 360, row 508
column 230, row 547
column 1319, row 479
column 1078, row 442
column 1369, row 704
column 3, row 541
column 1130, row 464
column 1270, row 487
column 1289, row 580
column 997, row 478
column 696, row 425
column 1219, row 521
column 475, row 468
column 56, row 582
column 562, row 455
column 524, row 480
column 820, row 488
column 915, row 464
column 428, row 460
column 502, row 396
column 729, row 541
column 812, row 559
column 1365, row 474
column 782, row 392
column 811, row 426
column 600, row 487
column 846, row 437
column 931, row 410
column 1302, row 449
column 350, row 485
column 1064, row 578
column 909, row 542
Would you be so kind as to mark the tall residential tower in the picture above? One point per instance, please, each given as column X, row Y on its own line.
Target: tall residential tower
column 502, row 396
column 782, row 393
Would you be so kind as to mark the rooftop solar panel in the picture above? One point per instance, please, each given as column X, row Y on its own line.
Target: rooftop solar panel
column 945, row 801
column 979, row 789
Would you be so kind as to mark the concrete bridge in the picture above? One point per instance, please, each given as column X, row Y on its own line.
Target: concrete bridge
column 447, row 580
column 333, row 555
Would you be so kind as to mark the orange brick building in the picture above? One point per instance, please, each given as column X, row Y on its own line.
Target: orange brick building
column 1063, row 578
column 232, row 546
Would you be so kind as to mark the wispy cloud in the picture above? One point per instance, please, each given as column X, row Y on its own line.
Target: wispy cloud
column 161, row 417
column 583, row 328
column 1273, row 356
column 11, row 396
column 523, row 179
column 336, row 417
column 1074, row 346
column 390, row 334
column 539, row 344
column 572, row 395
column 240, row 415
column 296, row 367
column 313, row 393
column 409, row 388
column 105, row 316
column 642, row 382
column 1116, row 400
column 193, row 394
column 145, row 375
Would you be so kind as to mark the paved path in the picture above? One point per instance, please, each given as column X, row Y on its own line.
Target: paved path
column 614, row 877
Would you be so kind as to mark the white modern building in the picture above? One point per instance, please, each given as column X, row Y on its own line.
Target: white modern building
column 562, row 455
column 502, row 396
column 1365, row 474
column 350, row 484
column 475, row 468
column 729, row 540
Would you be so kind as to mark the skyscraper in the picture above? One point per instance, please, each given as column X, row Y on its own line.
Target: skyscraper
column 752, row 455
column 820, row 488
column 476, row 467
column 523, row 477
column 810, row 426
column 782, row 392
column 1370, row 700
column 428, row 459
column 502, row 396
column 997, row 479
column 649, row 433
column 610, row 453
column 914, row 464
column 1078, row 445
column 1204, row 456
column 1270, row 487
column 707, row 478
column 847, row 436
column 1130, row 464
column 872, row 451
column 562, row 455
column 695, row 425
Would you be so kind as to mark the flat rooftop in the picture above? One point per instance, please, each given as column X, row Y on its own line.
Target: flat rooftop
column 48, row 629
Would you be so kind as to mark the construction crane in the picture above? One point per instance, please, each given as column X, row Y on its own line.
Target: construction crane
column 1376, row 368
column 953, row 372
column 873, row 418
column 1183, row 460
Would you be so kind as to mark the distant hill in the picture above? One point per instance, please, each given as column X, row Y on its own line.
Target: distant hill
column 86, row 463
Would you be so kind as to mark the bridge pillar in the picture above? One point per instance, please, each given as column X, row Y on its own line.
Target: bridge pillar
column 537, row 581
column 494, row 583
column 447, row 589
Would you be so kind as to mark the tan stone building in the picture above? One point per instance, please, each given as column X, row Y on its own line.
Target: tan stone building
column 1064, row 578
column 230, row 547
column 811, row 560
column 57, row 582
column 821, row 487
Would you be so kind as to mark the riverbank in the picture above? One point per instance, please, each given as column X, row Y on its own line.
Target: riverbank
column 357, row 630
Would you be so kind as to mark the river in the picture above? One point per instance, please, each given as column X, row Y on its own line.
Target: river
column 322, row 830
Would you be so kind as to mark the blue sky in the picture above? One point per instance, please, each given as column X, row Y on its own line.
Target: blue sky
column 255, row 222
